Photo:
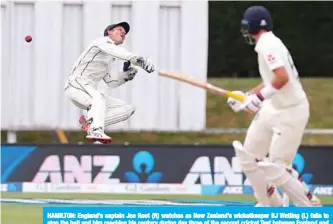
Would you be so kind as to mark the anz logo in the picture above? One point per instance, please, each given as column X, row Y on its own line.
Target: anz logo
column 299, row 164
column 143, row 164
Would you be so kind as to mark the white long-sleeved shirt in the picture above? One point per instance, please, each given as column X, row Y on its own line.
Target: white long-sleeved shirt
column 93, row 65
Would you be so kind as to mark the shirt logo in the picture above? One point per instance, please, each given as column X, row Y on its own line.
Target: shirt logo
column 270, row 58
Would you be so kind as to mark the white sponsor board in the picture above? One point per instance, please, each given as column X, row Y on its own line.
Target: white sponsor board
column 128, row 188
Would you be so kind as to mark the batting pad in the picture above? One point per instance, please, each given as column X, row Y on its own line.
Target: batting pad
column 265, row 193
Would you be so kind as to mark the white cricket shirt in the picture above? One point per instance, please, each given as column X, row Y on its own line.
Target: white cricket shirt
column 272, row 53
column 95, row 62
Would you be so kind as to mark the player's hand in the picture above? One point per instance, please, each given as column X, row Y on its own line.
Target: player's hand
column 252, row 103
column 126, row 66
column 144, row 63
column 129, row 71
column 235, row 104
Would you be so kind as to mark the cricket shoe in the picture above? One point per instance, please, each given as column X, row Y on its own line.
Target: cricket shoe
column 84, row 123
column 314, row 200
column 97, row 135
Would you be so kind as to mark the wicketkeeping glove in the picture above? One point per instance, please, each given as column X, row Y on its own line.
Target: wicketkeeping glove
column 144, row 63
column 129, row 71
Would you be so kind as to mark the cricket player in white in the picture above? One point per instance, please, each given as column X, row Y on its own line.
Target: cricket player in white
column 91, row 68
column 282, row 112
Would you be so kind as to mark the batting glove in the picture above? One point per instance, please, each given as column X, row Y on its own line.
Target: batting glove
column 235, row 104
column 144, row 63
column 252, row 103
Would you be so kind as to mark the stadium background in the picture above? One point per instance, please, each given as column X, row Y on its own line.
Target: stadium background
column 229, row 63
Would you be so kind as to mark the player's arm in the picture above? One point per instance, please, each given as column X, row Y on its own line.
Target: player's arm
column 116, row 51
column 117, row 79
column 119, row 52
column 113, row 80
column 279, row 80
column 275, row 63
column 257, row 88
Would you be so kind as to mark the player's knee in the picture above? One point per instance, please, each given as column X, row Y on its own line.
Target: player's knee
column 256, row 148
column 280, row 160
column 82, row 105
column 129, row 111
column 286, row 164
column 277, row 160
column 247, row 161
column 276, row 173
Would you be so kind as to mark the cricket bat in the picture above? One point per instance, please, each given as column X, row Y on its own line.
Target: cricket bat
column 201, row 84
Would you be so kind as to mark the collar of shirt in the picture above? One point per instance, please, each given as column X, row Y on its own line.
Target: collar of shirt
column 262, row 38
column 109, row 39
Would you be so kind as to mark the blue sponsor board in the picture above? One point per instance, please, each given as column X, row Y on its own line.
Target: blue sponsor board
column 322, row 190
column 149, row 163
column 11, row 187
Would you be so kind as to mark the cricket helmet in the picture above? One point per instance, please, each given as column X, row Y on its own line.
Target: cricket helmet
column 125, row 25
column 255, row 18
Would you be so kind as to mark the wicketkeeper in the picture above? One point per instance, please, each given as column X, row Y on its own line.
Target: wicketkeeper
column 91, row 68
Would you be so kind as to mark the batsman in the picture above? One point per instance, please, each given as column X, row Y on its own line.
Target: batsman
column 96, row 65
column 281, row 111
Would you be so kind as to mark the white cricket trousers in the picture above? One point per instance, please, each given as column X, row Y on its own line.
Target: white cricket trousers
column 104, row 111
column 277, row 132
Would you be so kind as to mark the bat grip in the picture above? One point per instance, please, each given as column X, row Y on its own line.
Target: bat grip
column 235, row 96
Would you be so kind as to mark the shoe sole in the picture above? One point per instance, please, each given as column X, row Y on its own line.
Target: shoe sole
column 103, row 141
column 84, row 124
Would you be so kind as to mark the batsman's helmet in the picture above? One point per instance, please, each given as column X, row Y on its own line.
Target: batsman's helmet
column 125, row 25
column 255, row 18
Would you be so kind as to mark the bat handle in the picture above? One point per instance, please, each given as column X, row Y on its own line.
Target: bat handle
column 235, row 96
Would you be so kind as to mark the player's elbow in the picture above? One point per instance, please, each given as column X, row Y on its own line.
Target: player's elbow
column 281, row 77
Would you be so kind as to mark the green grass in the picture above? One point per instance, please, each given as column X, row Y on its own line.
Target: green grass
column 219, row 115
column 32, row 214
column 105, row 196
column 318, row 91
column 21, row 214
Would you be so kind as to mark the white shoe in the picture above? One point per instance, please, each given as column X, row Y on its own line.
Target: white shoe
column 315, row 201
column 258, row 204
column 97, row 134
